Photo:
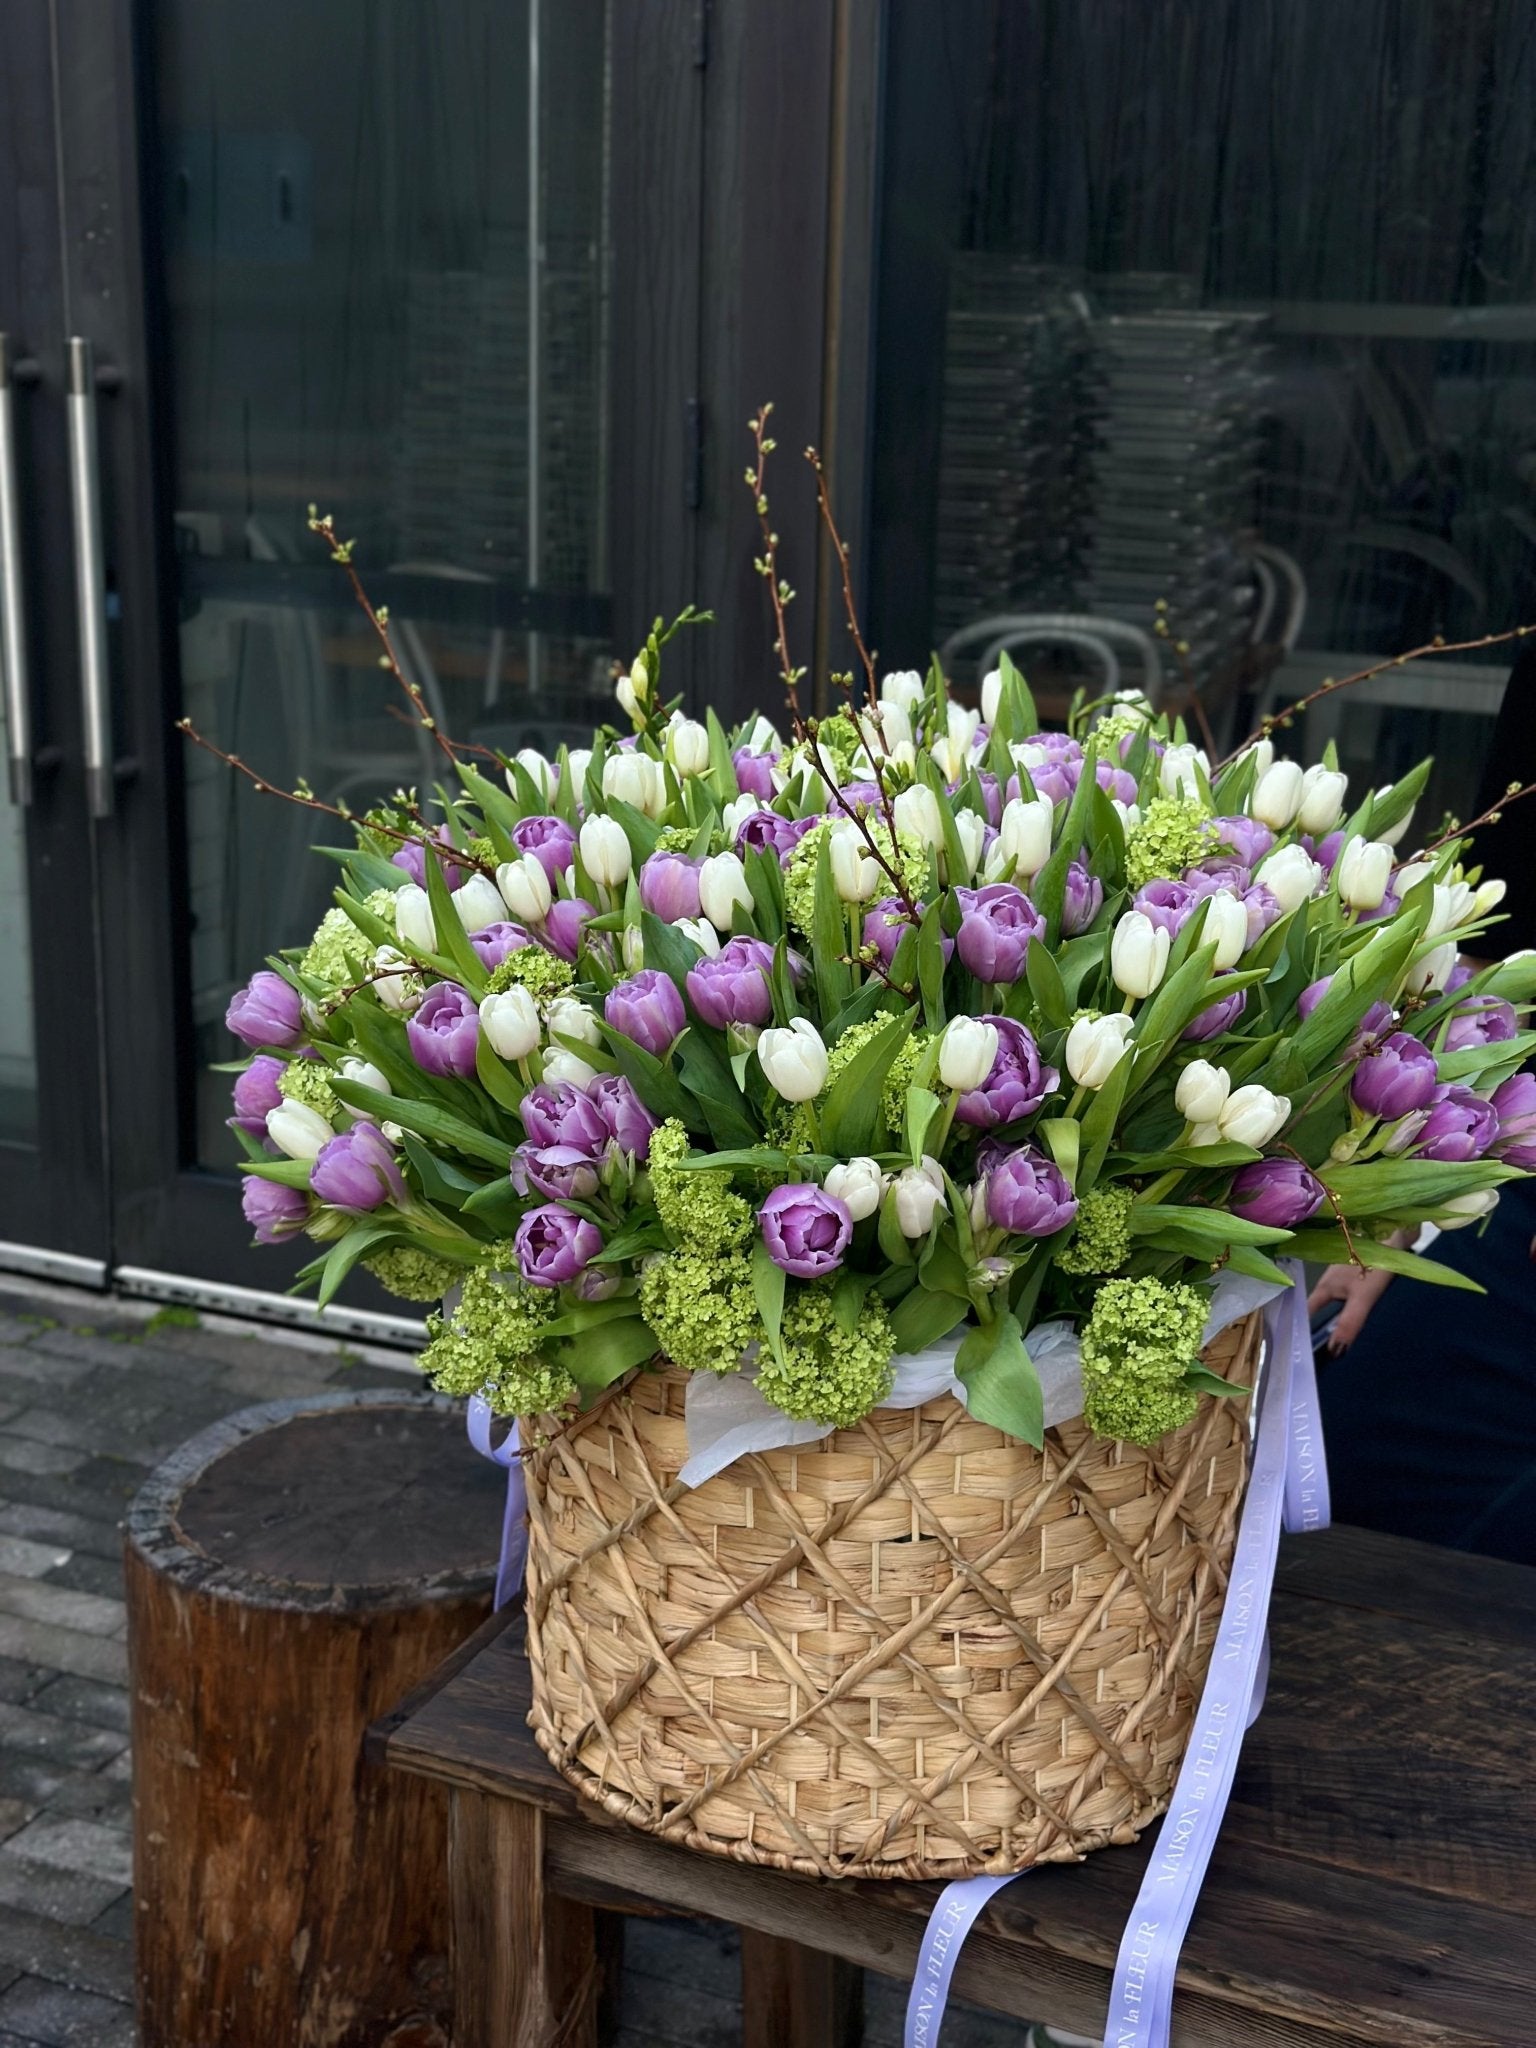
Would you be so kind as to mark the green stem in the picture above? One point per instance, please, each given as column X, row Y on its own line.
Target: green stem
column 1155, row 1190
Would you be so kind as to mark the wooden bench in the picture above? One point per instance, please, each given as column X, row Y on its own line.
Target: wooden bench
column 1375, row 1882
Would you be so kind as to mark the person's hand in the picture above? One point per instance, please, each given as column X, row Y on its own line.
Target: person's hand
column 1359, row 1291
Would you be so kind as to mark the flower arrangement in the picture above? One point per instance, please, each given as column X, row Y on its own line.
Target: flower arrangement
column 792, row 1055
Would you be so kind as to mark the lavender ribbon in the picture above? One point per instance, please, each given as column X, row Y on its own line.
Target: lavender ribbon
column 1288, row 1484
column 514, row 1521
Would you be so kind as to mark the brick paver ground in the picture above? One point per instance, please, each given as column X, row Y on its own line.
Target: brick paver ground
column 92, row 1396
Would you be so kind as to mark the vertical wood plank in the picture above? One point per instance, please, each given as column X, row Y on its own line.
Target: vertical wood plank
column 524, row 1960
column 796, row 1997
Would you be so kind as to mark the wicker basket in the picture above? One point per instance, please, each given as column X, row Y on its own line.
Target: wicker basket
column 917, row 1648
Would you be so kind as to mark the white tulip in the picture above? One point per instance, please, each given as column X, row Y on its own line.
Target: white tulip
column 578, row 761
column 298, row 1130
column 1362, row 873
column 903, row 687
column 1138, row 954
column 950, row 756
column 1410, row 874
column 1452, row 906
column 737, row 812
column 366, row 1074
column 605, row 853
column 688, row 747
column 794, row 1060
column 540, row 772
column 702, row 933
column 961, row 724
column 1393, row 834
column 1130, row 814
column 632, row 947
column 561, row 1065
column 1176, row 772
column 764, row 736
column 1433, row 971
column 396, row 991
column 510, row 1022
column 1226, row 923
column 991, row 695
column 967, row 1052
column 916, row 1193
column 856, row 874
column 971, row 831
column 858, row 1184
column 723, row 889
column 917, row 812
column 1322, row 800
column 629, row 698
column 569, row 1017
column 1460, row 1210
column 1290, row 874
column 896, row 726
column 479, row 903
column 1095, row 1047
column 1277, row 795
column 1025, row 834
column 525, row 889
column 1263, row 752
column 1202, row 1092
column 635, row 779
column 415, row 925
column 1252, row 1115
column 1489, row 896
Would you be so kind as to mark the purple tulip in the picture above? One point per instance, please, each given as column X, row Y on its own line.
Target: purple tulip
column 267, row 1011
column 444, row 1032
column 1053, row 779
column 565, row 924
column 669, row 886
column 1207, row 876
column 1481, row 1020
column 1325, row 851
column 273, row 1211
column 857, row 796
column 559, row 1171
column 1458, row 977
column 551, row 842
column 1169, row 904
column 731, row 986
column 358, row 1170
column 1263, row 908
column 1279, row 1193
column 767, row 832
column 885, row 924
column 1118, row 782
column 1028, row 1195
column 629, row 1122
column 1082, row 900
column 805, row 1229
column 1389, row 906
column 754, row 773
column 1312, row 995
column 1221, row 1016
column 564, row 1115
column 997, row 924
column 413, row 859
column 1246, row 837
column 255, row 1092
column 991, row 795
column 554, row 1245
column 1460, row 1125
column 1377, row 1019
column 1017, row 1085
column 1395, row 1078
column 496, row 942
column 647, row 1009
column 1515, row 1102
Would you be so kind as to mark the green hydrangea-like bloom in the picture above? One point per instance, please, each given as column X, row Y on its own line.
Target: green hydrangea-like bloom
column 413, row 1275
column 699, row 1210
column 1101, row 1242
column 829, row 1374
column 481, row 848
column 1174, row 834
column 491, row 1343
column 336, row 936
column 901, row 1076
column 1115, row 728
column 679, row 839
column 543, row 974
column 1140, row 1340
column 382, row 903
column 837, row 741
column 702, row 1308
column 909, row 858
column 309, row 1082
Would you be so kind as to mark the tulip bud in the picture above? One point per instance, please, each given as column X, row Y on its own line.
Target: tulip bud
column 479, row 903
column 1094, row 1048
column 903, row 687
column 1392, row 834
column 1138, row 954
column 916, row 1193
column 632, row 947
column 794, row 1060
column 1252, row 1115
column 967, row 1052
column 1226, row 924
column 629, row 698
column 917, row 812
column 723, row 889
column 578, row 760
column 1460, row 1210
column 1322, row 800
column 1452, row 906
column 298, row 1130
column 605, row 852
column 1130, row 814
column 1290, row 874
column 415, row 925
column 525, row 889
column 895, row 726
column 961, row 723
column 568, row 1017
column 1025, row 834
column 971, row 831
column 855, row 871
column 951, row 756
column 858, row 1184
column 399, row 991
column 635, row 779
column 688, row 747
column 1277, row 795
column 366, row 1074
column 702, row 933
column 991, row 695
column 1433, row 971
column 510, row 1022
column 540, row 772
column 1176, row 772
column 1263, row 752
column 1362, row 872
column 1489, row 896
column 561, row 1065
column 1202, row 1092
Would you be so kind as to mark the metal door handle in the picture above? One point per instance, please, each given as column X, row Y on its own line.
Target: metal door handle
column 13, row 623
column 90, row 577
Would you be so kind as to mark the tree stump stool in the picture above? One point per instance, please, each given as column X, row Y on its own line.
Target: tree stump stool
column 290, row 1574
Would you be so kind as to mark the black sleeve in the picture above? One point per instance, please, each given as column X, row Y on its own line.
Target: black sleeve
column 1509, row 848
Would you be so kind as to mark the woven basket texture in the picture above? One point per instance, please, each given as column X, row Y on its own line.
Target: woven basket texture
column 918, row 1648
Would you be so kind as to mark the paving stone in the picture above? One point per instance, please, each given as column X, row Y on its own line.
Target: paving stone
column 67, row 1649
column 22, row 1372
column 24, row 1560
column 90, row 1575
column 83, row 1699
column 31, row 1779
column 88, row 1430
column 88, row 1847
column 19, row 1681
column 26, row 1454
column 121, row 1766
column 99, row 1491
column 73, row 1743
column 96, row 1536
column 54, row 1893
column 84, row 1959
column 117, row 1922
column 57, row 2017
column 41, row 1600
column 92, row 1795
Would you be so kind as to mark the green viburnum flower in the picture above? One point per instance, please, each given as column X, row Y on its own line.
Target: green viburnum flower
column 490, row 1344
column 382, row 903
column 482, row 849
column 910, row 859
column 336, row 936
column 1140, row 1340
column 702, row 1308
column 413, row 1275
column 829, row 1374
column 1174, row 834
column 837, row 741
column 1115, row 728
column 542, row 973
column 699, row 1210
column 1102, row 1240
column 309, row 1082
column 679, row 839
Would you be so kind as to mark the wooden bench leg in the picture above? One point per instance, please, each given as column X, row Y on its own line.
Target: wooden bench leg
column 797, row 1997
column 524, row 1961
